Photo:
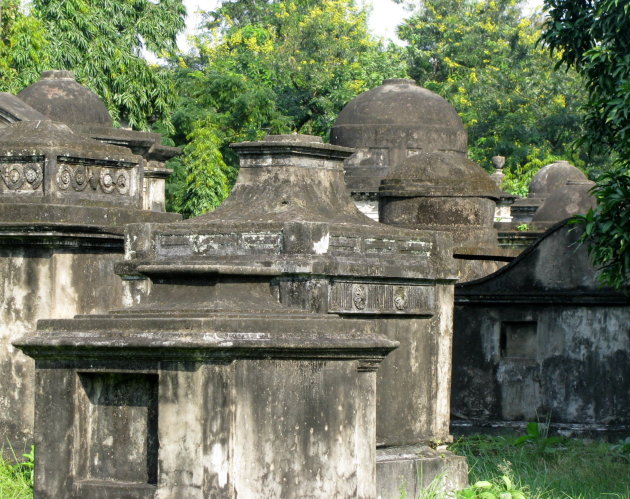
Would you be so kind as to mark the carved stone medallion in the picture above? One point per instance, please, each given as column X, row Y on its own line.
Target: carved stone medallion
column 22, row 176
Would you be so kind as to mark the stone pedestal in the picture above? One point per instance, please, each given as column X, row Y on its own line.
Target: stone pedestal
column 205, row 405
column 290, row 297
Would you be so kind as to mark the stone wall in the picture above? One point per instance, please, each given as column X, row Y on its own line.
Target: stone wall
column 46, row 276
column 540, row 338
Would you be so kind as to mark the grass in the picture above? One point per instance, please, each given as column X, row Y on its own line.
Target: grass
column 547, row 468
column 16, row 480
column 532, row 466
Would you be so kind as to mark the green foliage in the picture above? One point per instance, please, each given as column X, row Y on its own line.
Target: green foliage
column 16, row 480
column 502, row 487
column 483, row 57
column 275, row 66
column 594, row 38
column 102, row 42
column 207, row 179
column 622, row 450
column 23, row 47
column 607, row 228
column 537, row 435
column 571, row 468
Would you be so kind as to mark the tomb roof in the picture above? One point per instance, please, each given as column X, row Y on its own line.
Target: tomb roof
column 60, row 97
column 552, row 177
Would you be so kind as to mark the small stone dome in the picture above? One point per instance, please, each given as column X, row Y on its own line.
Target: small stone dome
column 553, row 177
column 572, row 198
column 390, row 123
column 439, row 174
column 58, row 96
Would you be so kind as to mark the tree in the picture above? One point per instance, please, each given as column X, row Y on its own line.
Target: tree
column 483, row 57
column 593, row 37
column 23, row 47
column 102, row 42
column 274, row 66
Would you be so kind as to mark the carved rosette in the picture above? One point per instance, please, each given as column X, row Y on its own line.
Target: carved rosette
column 116, row 181
column 22, row 176
column 359, row 296
column 400, row 299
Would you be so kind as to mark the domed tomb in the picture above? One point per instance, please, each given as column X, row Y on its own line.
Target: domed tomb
column 60, row 97
column 388, row 124
column 548, row 179
column 572, row 198
column 552, row 177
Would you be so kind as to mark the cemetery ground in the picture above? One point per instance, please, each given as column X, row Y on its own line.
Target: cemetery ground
column 531, row 466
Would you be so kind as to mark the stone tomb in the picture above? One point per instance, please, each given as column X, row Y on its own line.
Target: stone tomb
column 411, row 167
column 59, row 97
column 260, row 327
column 63, row 201
column 386, row 125
column 541, row 338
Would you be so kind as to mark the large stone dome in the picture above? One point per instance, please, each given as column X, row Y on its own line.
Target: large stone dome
column 390, row 123
column 58, row 96
column 554, row 176
column 401, row 102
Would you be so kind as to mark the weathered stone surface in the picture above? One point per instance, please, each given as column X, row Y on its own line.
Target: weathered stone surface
column 552, row 177
column 58, row 96
column 547, row 180
column 540, row 337
column 407, row 471
column 63, row 201
column 446, row 192
column 291, row 393
column 572, row 198
column 45, row 162
column 57, row 272
column 388, row 124
column 13, row 109
column 246, row 406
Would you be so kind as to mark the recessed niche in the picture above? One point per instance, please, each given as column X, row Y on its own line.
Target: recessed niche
column 116, row 429
column 518, row 340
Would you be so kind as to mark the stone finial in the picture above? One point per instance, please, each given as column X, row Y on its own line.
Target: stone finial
column 498, row 175
column 498, row 162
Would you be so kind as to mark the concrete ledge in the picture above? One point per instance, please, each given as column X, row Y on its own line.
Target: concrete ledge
column 406, row 471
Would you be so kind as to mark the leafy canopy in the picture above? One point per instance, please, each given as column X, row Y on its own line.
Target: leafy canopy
column 593, row 36
column 102, row 41
column 483, row 57
column 23, row 47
